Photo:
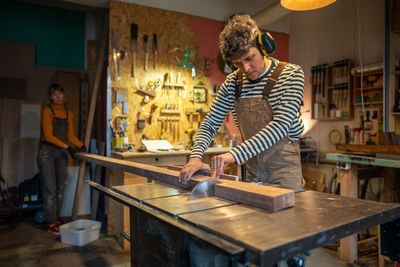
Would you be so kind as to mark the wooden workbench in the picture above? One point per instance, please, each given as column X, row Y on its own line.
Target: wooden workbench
column 349, row 185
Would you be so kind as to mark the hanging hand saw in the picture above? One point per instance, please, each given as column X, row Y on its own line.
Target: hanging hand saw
column 146, row 45
column 155, row 50
column 134, row 36
column 118, row 53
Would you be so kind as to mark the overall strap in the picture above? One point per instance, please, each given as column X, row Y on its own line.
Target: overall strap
column 66, row 112
column 271, row 81
column 52, row 111
column 239, row 84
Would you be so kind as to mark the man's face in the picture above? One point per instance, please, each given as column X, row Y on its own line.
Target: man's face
column 252, row 63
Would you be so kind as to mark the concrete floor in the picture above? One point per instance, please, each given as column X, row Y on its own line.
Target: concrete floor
column 29, row 244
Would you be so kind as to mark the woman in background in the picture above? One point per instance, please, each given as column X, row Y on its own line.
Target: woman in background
column 57, row 137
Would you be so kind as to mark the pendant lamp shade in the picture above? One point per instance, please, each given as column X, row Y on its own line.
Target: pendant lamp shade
column 302, row 5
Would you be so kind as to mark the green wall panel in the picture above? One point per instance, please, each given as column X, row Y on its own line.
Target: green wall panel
column 59, row 34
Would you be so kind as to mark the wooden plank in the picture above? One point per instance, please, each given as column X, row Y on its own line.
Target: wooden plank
column 384, row 149
column 265, row 197
column 99, row 68
column 157, row 173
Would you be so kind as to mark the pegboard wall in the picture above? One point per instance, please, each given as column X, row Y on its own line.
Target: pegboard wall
column 162, row 100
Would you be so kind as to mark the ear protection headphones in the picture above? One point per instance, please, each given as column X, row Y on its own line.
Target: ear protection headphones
column 265, row 44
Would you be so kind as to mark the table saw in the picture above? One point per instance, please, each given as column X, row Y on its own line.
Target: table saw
column 168, row 230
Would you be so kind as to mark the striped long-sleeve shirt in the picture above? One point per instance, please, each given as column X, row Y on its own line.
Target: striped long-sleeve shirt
column 285, row 99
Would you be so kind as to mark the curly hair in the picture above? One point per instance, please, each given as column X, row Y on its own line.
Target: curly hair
column 238, row 36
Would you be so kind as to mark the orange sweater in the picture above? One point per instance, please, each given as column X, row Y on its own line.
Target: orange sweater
column 47, row 126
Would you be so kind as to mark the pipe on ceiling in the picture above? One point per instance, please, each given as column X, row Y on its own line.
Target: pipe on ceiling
column 270, row 14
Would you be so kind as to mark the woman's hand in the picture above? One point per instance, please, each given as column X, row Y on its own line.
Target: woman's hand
column 193, row 165
column 218, row 163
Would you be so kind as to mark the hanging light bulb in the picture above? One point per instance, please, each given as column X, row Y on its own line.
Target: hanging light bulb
column 302, row 5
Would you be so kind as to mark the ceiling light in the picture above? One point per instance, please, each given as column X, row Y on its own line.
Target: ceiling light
column 302, row 5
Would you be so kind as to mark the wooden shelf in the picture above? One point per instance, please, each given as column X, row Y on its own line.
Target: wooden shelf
column 335, row 119
column 170, row 111
column 197, row 113
column 149, row 93
column 375, row 72
column 173, row 85
column 370, row 88
column 336, row 81
column 369, row 103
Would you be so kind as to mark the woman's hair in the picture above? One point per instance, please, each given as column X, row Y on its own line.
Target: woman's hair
column 238, row 36
column 52, row 88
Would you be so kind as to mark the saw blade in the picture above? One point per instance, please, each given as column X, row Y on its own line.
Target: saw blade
column 204, row 189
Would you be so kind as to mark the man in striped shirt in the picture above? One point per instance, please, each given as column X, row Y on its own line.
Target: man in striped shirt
column 264, row 96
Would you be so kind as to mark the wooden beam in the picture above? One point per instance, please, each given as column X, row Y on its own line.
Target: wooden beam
column 152, row 172
column 99, row 68
column 266, row 197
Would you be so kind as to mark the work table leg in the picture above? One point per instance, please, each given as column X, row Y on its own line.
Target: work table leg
column 348, row 188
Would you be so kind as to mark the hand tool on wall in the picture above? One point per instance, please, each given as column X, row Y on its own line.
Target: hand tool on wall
column 319, row 80
column 146, row 45
column 314, row 82
column 152, row 109
column 121, row 98
column 141, row 123
column 134, row 36
column 114, row 55
column 118, row 53
column 155, row 50
column 190, row 132
column 162, row 135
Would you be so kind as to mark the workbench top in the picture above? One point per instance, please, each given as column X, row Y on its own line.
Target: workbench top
column 364, row 159
column 316, row 219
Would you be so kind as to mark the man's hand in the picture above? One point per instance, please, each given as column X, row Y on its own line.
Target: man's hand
column 218, row 163
column 193, row 165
